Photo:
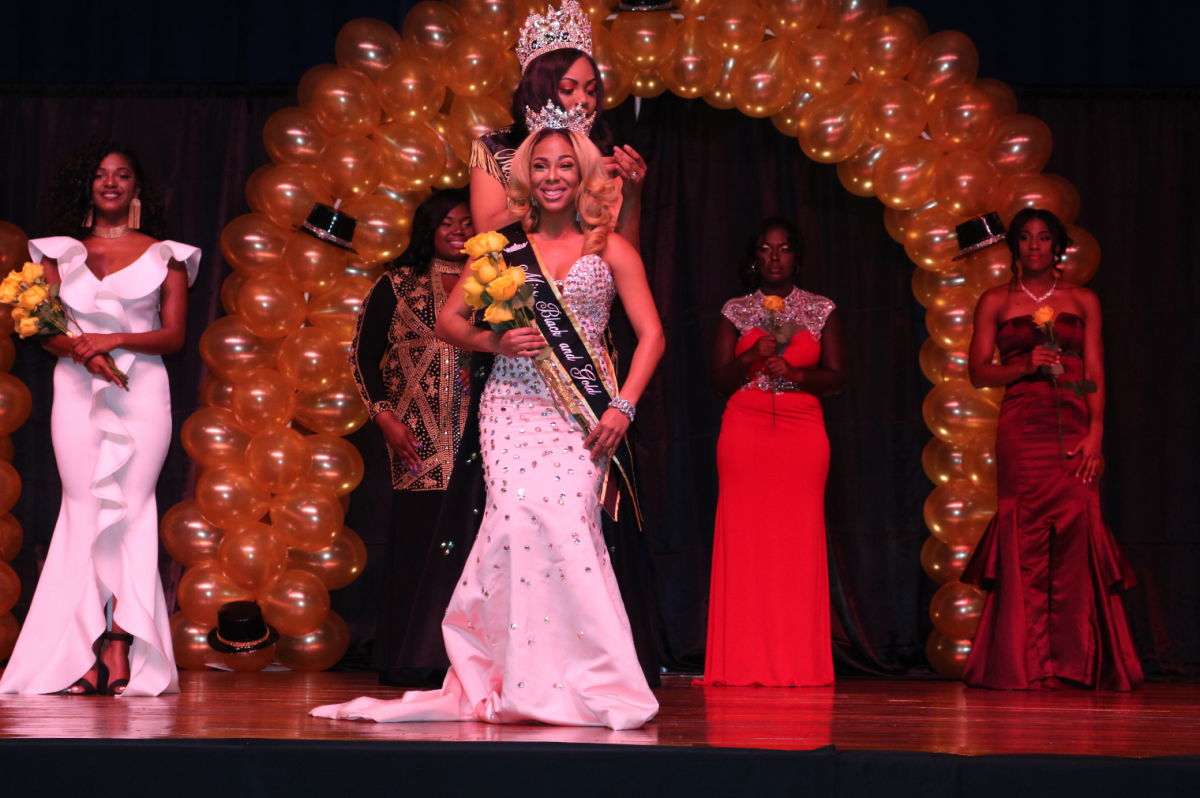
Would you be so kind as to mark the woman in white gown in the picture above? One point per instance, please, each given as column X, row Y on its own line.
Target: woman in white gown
column 536, row 630
column 128, row 293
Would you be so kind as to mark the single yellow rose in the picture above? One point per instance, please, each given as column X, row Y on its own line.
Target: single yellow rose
column 496, row 242
column 1044, row 314
column 19, row 313
column 773, row 303
column 473, row 293
column 9, row 292
column 32, row 272
column 27, row 327
column 495, row 314
column 34, row 296
column 486, row 273
column 477, row 246
column 502, row 288
column 517, row 275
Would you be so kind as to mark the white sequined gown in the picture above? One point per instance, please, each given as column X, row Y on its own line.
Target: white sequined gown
column 110, row 446
column 535, row 630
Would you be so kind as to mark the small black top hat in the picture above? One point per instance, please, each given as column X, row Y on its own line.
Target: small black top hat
column 977, row 233
column 331, row 226
column 241, row 629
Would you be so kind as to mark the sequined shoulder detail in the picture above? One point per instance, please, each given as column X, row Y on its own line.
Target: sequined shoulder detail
column 493, row 152
column 808, row 311
column 590, row 290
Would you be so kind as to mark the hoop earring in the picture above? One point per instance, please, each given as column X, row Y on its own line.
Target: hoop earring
column 87, row 218
column 135, row 214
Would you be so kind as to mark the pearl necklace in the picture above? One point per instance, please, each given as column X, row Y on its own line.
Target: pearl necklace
column 110, row 232
column 1044, row 296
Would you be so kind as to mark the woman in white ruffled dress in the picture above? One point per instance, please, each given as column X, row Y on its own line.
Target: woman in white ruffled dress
column 128, row 294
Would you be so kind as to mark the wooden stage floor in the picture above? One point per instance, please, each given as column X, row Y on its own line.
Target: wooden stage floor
column 856, row 715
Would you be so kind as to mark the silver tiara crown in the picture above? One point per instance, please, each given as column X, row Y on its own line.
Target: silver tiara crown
column 553, row 117
column 567, row 27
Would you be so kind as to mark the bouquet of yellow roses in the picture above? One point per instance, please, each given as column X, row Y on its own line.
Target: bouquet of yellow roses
column 496, row 288
column 37, row 310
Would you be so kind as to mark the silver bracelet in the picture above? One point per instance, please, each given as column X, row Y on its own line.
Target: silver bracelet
column 624, row 405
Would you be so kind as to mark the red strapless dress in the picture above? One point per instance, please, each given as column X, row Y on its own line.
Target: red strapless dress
column 1054, row 617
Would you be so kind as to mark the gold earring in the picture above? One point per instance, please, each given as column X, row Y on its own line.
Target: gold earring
column 135, row 214
column 87, row 219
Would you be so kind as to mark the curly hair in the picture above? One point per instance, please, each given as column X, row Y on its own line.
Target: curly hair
column 1060, row 241
column 540, row 83
column 426, row 219
column 594, row 201
column 746, row 271
column 67, row 201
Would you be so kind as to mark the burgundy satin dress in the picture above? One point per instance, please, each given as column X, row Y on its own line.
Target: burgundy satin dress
column 1054, row 617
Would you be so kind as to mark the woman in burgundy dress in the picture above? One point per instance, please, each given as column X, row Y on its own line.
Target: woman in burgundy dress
column 768, row 621
column 1054, row 617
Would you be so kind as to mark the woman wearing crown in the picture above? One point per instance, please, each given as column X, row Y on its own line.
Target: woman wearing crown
column 536, row 629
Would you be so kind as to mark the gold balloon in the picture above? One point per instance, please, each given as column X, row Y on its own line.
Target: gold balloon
column 203, row 590
column 721, row 95
column 14, row 247
column 1082, row 258
column 616, row 74
column 293, row 135
column 956, row 609
column 11, row 537
column 10, row 588
column 308, row 83
column 644, row 39
column 916, row 22
column 230, row 287
column 338, row 410
column 896, row 220
column 367, row 46
column 940, row 365
column 473, row 65
column 928, row 285
column 964, row 183
column 351, row 166
column 734, row 27
column 311, row 360
column 947, row 656
column 1025, row 190
column 1004, row 98
column 249, row 661
column 1069, row 196
column 787, row 121
column 308, row 517
column 252, row 185
column 943, row 462
column 230, row 350
column 885, row 48
column 190, row 641
column 761, row 84
column 942, row 562
column 288, row 192
column 346, row 102
column 499, row 20
column 413, row 154
column 950, row 318
column 955, row 412
column 904, row 174
column 336, row 566
column 510, row 79
column 336, row 463
column 9, row 631
column 411, row 90
column 931, row 240
column 1019, row 143
column 947, row 58
column 647, row 83
column 979, row 462
column 988, row 267
column 831, row 128
column 10, row 486
column 253, row 243
column 788, row 19
column 690, row 9
column 311, row 264
column 318, row 650
column 820, row 62
column 957, row 512
column 962, row 117
column 430, row 26
column 213, row 436
column 694, row 66
column 229, row 497
column 357, row 267
column 253, row 556
column 270, row 306
column 383, row 227
column 894, row 112
column 278, row 458
column 188, row 536
column 262, row 399
column 336, row 309
column 846, row 17
column 455, row 173
column 296, row 604
column 15, row 403
column 857, row 173
column 470, row 118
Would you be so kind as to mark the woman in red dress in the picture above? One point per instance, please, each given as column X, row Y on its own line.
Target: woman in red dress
column 768, row 621
column 1054, row 617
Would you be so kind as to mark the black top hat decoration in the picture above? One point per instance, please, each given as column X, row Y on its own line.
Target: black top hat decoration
column 241, row 629
column 977, row 233
column 331, row 226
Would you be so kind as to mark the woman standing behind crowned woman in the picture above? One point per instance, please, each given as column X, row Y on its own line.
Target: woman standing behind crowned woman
column 536, row 630
column 1053, row 617
column 777, row 351
column 411, row 384
column 127, row 291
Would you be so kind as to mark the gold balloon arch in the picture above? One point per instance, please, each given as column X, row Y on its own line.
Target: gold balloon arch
column 900, row 111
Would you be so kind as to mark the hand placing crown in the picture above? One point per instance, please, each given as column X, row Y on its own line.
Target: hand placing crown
column 553, row 117
column 557, row 30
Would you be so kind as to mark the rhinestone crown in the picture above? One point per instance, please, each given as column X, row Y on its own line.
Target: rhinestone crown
column 556, row 118
column 567, row 27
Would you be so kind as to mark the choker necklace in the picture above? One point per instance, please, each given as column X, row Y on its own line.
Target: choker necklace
column 1044, row 296
column 448, row 266
column 110, row 232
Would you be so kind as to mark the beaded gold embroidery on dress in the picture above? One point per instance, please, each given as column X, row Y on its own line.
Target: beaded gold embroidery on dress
column 807, row 311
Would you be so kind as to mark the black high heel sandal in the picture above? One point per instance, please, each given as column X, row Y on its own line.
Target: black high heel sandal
column 101, row 685
column 110, row 688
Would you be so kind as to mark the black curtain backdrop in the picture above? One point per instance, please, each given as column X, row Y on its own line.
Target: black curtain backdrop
column 714, row 175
